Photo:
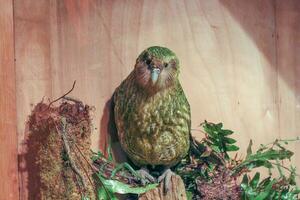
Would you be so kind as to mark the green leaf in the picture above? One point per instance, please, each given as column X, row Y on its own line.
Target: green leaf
column 267, row 191
column 189, row 195
column 249, row 149
column 227, row 132
column 105, row 195
column 229, row 140
column 232, row 148
column 267, row 164
column 124, row 165
column 261, row 158
column 216, row 148
column 109, row 153
column 247, row 191
column 219, row 125
column 292, row 176
column 205, row 154
column 254, row 181
column 272, row 154
column 115, row 186
column 245, row 180
column 296, row 191
column 264, row 182
column 217, row 140
column 279, row 168
column 209, row 131
column 97, row 155
column 251, row 164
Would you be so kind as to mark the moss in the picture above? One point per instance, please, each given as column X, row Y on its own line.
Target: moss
column 57, row 178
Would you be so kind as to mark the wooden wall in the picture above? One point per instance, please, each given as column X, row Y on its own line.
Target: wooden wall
column 240, row 64
column 8, row 130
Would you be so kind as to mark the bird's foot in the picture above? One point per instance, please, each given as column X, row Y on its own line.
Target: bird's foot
column 166, row 177
column 122, row 166
column 145, row 176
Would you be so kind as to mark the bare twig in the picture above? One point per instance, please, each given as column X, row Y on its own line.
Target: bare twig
column 284, row 167
column 63, row 96
column 72, row 99
column 106, row 191
column 283, row 140
column 68, row 152
column 90, row 165
column 85, row 171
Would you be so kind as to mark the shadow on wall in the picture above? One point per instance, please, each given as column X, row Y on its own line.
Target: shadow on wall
column 29, row 170
column 278, row 45
column 109, row 134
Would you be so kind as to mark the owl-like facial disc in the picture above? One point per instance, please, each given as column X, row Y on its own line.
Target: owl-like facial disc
column 156, row 68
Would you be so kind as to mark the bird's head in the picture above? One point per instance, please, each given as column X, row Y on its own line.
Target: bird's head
column 156, row 68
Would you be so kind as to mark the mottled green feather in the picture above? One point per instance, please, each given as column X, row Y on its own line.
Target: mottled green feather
column 160, row 53
column 153, row 129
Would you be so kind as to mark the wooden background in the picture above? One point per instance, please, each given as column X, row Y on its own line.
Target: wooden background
column 240, row 64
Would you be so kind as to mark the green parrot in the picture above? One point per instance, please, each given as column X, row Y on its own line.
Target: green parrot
column 152, row 114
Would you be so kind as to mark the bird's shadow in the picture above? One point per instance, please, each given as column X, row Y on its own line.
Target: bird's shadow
column 109, row 135
column 109, row 139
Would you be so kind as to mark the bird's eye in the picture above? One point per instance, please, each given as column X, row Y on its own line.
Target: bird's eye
column 148, row 61
column 166, row 65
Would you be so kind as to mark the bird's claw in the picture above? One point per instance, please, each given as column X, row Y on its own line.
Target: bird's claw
column 166, row 177
column 145, row 176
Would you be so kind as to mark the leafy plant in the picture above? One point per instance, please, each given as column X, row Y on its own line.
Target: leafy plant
column 268, row 188
column 281, row 187
column 218, row 139
column 112, row 178
column 263, row 157
column 211, row 173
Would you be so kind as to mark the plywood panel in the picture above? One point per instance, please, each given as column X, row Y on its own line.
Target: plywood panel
column 226, row 75
column 288, row 62
column 233, row 67
column 97, row 42
column 33, row 83
column 8, row 137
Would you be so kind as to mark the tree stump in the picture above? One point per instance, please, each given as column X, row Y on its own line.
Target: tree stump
column 176, row 192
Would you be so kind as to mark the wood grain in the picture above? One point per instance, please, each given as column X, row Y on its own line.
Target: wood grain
column 288, row 63
column 176, row 191
column 239, row 59
column 8, row 132
column 33, row 80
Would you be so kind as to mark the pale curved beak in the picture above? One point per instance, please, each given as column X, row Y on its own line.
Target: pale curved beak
column 154, row 74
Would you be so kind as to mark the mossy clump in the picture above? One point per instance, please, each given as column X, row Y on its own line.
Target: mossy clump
column 63, row 168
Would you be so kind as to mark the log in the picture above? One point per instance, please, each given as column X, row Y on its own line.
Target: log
column 176, row 192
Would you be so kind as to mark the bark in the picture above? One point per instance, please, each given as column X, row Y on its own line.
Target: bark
column 176, row 191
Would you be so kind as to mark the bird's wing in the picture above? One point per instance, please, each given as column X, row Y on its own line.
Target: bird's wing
column 195, row 147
